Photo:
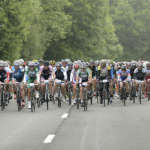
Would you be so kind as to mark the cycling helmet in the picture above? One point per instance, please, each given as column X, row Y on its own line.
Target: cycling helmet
column 58, row 64
column 31, row 64
column 46, row 63
column 83, row 66
column 1, row 63
column 34, row 60
column 76, row 66
column 52, row 62
column 123, row 67
column 16, row 63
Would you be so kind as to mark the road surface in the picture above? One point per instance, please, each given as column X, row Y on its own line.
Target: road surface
column 114, row 127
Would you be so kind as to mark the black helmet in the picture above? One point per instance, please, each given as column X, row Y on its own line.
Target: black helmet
column 123, row 67
column 46, row 63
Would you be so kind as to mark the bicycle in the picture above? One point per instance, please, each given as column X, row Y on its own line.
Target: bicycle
column 69, row 92
column 78, row 95
column 85, row 100
column 58, row 98
column 140, row 90
column 18, row 96
column 104, row 92
column 133, row 91
column 124, row 93
column 90, row 95
column 47, row 93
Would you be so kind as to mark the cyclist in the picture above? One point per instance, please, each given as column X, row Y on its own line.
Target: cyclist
column 123, row 75
column 139, row 75
column 31, row 76
column 73, row 79
column 60, row 77
column 17, row 76
column 84, row 76
column 104, row 73
column 46, row 74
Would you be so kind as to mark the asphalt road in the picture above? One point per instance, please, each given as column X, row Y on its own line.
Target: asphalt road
column 114, row 127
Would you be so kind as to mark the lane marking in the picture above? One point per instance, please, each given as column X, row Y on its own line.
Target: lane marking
column 49, row 138
column 64, row 116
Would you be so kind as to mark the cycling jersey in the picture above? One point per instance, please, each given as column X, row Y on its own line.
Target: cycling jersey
column 84, row 75
column 3, row 75
column 46, row 73
column 59, row 74
column 31, row 75
column 103, row 73
column 123, row 75
column 139, row 74
column 17, row 75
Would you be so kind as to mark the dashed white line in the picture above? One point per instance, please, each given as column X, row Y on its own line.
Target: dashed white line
column 49, row 138
column 64, row 116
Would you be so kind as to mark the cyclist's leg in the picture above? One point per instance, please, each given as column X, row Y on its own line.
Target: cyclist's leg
column 143, row 87
column 94, row 84
column 81, row 94
column 50, row 86
column 74, row 90
column 63, row 89
column 42, row 89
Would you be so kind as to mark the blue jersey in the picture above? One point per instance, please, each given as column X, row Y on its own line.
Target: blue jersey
column 124, row 75
column 18, row 74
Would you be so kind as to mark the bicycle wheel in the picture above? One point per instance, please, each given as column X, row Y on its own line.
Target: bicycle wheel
column 47, row 101
column 2, row 101
column 78, row 103
column 38, row 102
column 84, row 99
column 33, row 102
column 104, row 97
column 77, row 96
column 124, row 96
column 133, row 94
column 59, row 100
column 69, row 92
column 140, row 95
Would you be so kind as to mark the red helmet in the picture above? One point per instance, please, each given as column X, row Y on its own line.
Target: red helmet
column 76, row 66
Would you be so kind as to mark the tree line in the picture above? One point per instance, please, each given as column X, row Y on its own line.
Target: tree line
column 55, row 29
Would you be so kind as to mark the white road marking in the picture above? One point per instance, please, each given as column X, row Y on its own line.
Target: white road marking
column 64, row 116
column 49, row 138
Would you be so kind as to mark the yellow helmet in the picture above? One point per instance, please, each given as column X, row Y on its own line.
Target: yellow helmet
column 52, row 62
column 35, row 60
